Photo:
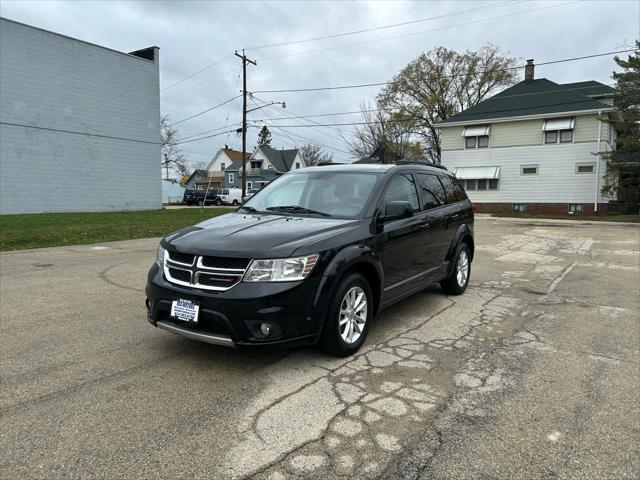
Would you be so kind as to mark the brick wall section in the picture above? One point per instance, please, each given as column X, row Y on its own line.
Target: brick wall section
column 51, row 82
column 539, row 208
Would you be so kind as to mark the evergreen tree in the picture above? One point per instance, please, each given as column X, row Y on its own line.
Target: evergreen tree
column 624, row 162
column 264, row 137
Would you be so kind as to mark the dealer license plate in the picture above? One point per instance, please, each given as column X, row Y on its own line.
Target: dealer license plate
column 185, row 310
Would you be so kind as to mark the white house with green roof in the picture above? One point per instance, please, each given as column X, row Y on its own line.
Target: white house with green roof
column 534, row 147
column 263, row 166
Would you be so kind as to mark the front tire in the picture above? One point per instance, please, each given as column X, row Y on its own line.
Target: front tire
column 348, row 317
column 218, row 202
column 457, row 282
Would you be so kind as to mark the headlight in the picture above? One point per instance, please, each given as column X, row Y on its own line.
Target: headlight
column 160, row 256
column 281, row 269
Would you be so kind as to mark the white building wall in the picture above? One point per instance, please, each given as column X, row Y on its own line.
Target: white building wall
column 79, row 125
column 215, row 166
column 556, row 182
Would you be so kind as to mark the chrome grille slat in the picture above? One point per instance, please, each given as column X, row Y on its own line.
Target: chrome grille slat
column 214, row 277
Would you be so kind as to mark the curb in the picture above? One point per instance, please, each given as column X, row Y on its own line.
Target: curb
column 555, row 221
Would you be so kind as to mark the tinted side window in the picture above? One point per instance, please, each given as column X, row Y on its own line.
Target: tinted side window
column 402, row 189
column 454, row 191
column 431, row 191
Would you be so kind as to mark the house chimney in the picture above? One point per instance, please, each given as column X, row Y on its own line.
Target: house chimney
column 529, row 70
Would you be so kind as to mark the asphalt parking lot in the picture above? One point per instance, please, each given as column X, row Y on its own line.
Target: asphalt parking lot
column 533, row 373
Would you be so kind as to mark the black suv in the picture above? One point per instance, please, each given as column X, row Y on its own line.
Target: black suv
column 197, row 197
column 313, row 256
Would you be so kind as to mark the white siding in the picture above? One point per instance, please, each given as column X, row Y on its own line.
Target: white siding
column 218, row 159
column 556, row 182
column 54, row 91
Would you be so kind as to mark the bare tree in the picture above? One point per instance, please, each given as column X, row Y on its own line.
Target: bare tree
column 382, row 135
column 442, row 82
column 171, row 158
column 314, row 155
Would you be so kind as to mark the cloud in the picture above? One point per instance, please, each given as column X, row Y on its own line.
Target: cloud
column 194, row 34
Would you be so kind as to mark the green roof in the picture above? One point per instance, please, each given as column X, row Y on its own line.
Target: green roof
column 282, row 160
column 591, row 88
column 533, row 97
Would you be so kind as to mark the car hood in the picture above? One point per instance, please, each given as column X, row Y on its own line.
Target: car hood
column 255, row 235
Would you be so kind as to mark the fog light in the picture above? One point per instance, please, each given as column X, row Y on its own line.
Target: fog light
column 266, row 329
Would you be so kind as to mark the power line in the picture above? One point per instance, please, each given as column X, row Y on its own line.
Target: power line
column 202, row 138
column 383, row 27
column 377, row 84
column 307, row 140
column 220, row 60
column 98, row 135
column 323, row 115
column 317, row 123
column 367, row 42
column 205, row 111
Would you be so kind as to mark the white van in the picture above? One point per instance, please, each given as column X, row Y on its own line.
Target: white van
column 231, row 196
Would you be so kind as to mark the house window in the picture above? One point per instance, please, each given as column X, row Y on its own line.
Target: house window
column 551, row 137
column 481, row 141
column 585, row 167
column 517, row 207
column 529, row 170
column 297, row 165
column 476, row 137
column 222, row 167
column 575, row 209
column 482, row 184
column 270, row 167
column 559, row 130
column 249, row 185
column 566, row 136
column 232, row 178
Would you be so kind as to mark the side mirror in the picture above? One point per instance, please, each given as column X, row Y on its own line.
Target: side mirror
column 396, row 211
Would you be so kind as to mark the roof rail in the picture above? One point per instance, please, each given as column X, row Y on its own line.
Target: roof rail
column 425, row 164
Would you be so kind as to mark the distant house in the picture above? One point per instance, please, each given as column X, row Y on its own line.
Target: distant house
column 198, row 176
column 534, row 147
column 223, row 158
column 172, row 191
column 264, row 165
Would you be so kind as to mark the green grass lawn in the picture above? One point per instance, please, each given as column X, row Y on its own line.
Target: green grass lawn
column 52, row 229
column 601, row 218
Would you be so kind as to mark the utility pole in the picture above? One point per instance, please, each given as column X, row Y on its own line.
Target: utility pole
column 245, row 60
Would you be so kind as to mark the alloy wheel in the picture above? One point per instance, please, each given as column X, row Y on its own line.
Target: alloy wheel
column 353, row 315
column 462, row 268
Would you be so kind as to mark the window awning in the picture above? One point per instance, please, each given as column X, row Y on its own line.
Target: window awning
column 476, row 131
column 476, row 172
column 559, row 124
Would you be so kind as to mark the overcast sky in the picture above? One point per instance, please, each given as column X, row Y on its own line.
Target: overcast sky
column 193, row 35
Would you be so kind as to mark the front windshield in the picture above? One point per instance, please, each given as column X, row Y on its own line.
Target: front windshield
column 329, row 193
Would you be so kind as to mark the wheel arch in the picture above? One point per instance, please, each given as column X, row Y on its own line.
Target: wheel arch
column 360, row 259
column 463, row 234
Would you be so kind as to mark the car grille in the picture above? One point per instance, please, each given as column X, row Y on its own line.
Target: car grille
column 207, row 273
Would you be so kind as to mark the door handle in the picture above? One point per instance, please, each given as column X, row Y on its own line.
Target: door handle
column 425, row 225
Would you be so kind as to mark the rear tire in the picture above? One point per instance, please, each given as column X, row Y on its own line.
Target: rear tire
column 457, row 282
column 348, row 317
column 235, row 203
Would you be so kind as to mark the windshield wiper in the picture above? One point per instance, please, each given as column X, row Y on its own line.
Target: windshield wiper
column 248, row 209
column 296, row 209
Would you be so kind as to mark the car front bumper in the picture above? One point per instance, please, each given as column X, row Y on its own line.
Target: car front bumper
column 294, row 310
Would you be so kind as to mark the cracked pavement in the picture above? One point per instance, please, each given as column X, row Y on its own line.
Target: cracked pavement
column 533, row 372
